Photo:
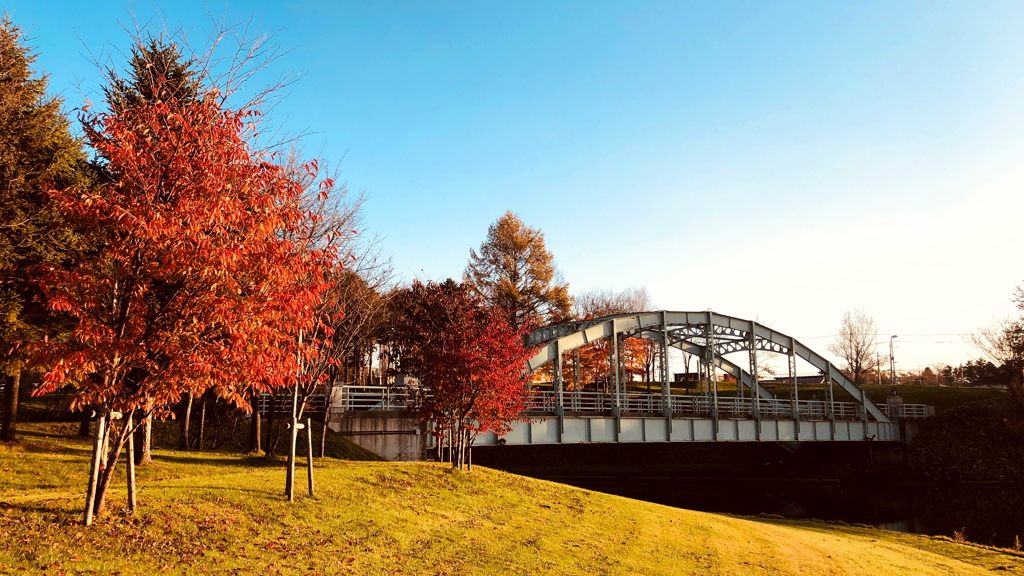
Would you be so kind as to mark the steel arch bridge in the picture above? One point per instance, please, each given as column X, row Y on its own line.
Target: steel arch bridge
column 752, row 414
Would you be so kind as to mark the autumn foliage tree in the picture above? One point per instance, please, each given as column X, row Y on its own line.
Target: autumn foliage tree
column 192, row 283
column 157, row 70
column 470, row 361
column 515, row 271
column 636, row 355
column 355, row 312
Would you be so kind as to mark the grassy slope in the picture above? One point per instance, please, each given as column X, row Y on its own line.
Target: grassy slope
column 942, row 398
column 981, row 441
column 222, row 514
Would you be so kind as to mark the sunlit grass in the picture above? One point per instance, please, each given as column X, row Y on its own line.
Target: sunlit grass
column 220, row 513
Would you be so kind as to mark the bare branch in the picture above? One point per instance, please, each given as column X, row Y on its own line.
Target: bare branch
column 857, row 343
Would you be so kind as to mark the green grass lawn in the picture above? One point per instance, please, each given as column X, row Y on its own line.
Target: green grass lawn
column 943, row 398
column 220, row 513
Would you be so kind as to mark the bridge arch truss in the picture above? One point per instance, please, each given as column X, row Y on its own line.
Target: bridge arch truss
column 720, row 343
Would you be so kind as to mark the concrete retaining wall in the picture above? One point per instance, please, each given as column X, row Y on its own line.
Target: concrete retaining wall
column 390, row 435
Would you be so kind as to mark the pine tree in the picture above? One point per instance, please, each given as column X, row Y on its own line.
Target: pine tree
column 37, row 153
column 157, row 70
column 515, row 272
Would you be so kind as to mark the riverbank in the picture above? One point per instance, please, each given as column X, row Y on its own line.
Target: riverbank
column 218, row 513
column 856, row 482
column 976, row 442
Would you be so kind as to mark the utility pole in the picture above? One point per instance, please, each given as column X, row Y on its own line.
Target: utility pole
column 892, row 361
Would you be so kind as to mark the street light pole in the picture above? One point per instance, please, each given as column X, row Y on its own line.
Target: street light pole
column 892, row 361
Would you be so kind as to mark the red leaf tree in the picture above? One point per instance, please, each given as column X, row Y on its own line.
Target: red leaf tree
column 470, row 361
column 193, row 282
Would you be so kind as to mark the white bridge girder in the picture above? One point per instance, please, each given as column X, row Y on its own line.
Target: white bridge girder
column 575, row 416
column 708, row 336
column 579, row 430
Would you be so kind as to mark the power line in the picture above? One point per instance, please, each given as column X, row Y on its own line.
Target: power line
column 900, row 333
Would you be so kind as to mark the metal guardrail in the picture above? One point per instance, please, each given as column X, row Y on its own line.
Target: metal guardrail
column 908, row 411
column 349, row 398
column 545, row 402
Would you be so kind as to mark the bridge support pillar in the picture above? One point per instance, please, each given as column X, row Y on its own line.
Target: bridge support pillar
column 666, row 384
column 559, row 390
column 830, row 403
column 863, row 408
column 709, row 367
column 617, row 378
column 794, row 392
column 755, row 392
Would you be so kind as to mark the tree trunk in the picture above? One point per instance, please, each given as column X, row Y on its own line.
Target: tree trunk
column 96, row 463
column 272, row 440
column 185, row 422
column 107, row 474
column 323, row 431
column 457, row 449
column 457, row 459
column 329, row 392
column 8, row 429
column 129, row 462
column 462, row 448
column 255, row 425
column 144, row 442
column 309, row 454
column 202, row 424
column 84, row 423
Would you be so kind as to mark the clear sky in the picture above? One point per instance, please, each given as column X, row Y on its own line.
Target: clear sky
column 783, row 161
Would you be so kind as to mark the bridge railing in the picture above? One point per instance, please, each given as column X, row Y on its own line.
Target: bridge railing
column 545, row 402
column 364, row 398
column 908, row 410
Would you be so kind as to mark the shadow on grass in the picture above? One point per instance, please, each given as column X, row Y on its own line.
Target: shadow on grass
column 33, row 440
column 63, row 513
column 53, row 430
column 68, row 510
column 268, row 494
column 220, row 460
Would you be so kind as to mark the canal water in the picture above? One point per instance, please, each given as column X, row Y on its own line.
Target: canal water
column 832, row 483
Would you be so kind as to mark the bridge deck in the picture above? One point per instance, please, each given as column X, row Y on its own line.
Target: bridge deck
column 580, row 429
column 545, row 403
column 600, row 417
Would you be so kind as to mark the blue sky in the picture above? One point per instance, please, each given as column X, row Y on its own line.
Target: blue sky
column 784, row 161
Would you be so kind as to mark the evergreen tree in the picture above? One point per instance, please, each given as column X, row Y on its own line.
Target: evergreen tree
column 37, row 153
column 515, row 271
column 157, row 70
